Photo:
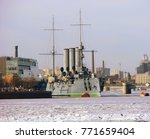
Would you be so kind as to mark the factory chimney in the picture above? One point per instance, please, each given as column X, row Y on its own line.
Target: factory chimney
column 93, row 66
column 16, row 51
column 103, row 68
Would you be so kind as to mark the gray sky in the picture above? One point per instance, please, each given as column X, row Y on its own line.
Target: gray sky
column 119, row 31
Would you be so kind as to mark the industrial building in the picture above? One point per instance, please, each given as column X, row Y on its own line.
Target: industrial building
column 24, row 67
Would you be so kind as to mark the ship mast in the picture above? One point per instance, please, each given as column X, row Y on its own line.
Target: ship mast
column 53, row 52
column 80, row 24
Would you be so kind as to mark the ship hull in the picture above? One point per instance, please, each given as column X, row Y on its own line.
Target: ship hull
column 25, row 95
column 75, row 89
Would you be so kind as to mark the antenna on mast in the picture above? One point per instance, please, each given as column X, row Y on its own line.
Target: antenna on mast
column 53, row 52
column 80, row 24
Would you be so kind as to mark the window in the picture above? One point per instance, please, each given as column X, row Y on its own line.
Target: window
column 20, row 71
column 12, row 68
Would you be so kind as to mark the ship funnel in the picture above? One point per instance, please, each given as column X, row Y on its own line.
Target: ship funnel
column 66, row 59
column 71, row 58
column 78, row 59
column 16, row 51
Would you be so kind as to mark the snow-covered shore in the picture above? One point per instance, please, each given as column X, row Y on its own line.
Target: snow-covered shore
column 110, row 107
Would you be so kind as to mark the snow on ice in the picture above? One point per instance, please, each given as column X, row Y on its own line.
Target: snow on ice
column 95, row 109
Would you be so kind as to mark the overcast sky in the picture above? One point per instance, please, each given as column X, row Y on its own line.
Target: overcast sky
column 119, row 31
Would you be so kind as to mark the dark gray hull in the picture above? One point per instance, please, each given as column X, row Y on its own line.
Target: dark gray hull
column 25, row 95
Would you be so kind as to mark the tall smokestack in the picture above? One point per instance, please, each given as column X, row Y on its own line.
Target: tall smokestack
column 66, row 59
column 78, row 59
column 93, row 64
column 71, row 58
column 16, row 51
column 103, row 68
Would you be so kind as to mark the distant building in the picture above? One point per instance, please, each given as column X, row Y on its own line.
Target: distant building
column 48, row 72
column 143, row 71
column 143, row 78
column 144, row 66
column 114, row 72
column 105, row 72
column 45, row 72
column 24, row 67
column 3, row 65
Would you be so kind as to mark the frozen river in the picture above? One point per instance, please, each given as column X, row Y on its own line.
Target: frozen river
column 109, row 107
